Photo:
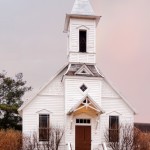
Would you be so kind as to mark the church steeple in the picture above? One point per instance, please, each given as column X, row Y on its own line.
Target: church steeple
column 82, row 7
column 81, row 28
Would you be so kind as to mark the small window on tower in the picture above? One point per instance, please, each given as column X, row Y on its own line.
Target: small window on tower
column 82, row 41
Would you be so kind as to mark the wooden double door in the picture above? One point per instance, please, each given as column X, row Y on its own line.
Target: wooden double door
column 83, row 138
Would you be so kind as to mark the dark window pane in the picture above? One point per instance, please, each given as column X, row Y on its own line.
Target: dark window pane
column 113, row 135
column 81, row 120
column 43, row 134
column 82, row 41
column 77, row 121
column 113, row 122
column 113, row 129
column 88, row 121
column 43, row 127
column 43, row 121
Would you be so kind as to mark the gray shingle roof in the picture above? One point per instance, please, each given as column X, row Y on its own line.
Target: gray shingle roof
column 75, row 67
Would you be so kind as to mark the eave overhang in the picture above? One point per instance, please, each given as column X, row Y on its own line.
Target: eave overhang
column 20, row 110
column 77, row 16
column 86, row 103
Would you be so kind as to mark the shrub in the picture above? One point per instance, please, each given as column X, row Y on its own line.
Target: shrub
column 10, row 140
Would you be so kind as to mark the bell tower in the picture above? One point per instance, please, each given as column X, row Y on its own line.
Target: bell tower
column 80, row 26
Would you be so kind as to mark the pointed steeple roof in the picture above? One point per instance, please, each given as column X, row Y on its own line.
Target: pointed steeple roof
column 82, row 7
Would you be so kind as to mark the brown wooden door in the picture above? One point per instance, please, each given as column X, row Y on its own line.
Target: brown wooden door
column 83, row 138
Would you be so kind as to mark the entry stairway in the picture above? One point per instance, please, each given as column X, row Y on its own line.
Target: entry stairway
column 69, row 146
column 102, row 145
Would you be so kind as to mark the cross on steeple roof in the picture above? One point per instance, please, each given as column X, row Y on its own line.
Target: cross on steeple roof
column 82, row 7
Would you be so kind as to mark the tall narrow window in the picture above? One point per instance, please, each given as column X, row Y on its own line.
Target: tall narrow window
column 82, row 41
column 44, row 127
column 113, row 129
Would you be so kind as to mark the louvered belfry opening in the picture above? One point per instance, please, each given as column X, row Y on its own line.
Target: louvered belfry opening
column 82, row 41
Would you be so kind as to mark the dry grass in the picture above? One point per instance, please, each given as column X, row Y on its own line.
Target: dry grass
column 10, row 140
column 144, row 141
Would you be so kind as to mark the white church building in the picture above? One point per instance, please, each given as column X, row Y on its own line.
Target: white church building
column 78, row 97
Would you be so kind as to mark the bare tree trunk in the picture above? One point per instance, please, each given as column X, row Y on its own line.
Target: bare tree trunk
column 130, row 139
column 55, row 135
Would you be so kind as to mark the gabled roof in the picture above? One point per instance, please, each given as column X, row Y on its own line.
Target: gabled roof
column 51, row 79
column 79, row 16
column 72, row 69
column 82, row 7
column 88, row 103
column 123, row 98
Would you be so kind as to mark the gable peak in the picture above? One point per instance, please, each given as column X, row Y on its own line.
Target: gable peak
column 84, row 104
column 82, row 7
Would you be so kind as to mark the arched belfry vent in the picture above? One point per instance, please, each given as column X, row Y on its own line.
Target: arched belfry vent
column 83, row 70
column 83, row 87
column 86, row 105
column 82, row 7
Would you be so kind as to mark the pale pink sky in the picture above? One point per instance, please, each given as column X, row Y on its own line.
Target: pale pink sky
column 32, row 42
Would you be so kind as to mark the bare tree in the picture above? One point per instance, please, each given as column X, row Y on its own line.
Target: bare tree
column 31, row 143
column 126, row 137
column 54, row 137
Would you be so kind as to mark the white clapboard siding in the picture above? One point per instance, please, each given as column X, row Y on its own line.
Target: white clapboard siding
column 54, row 105
column 74, row 27
column 73, row 93
column 82, row 58
column 108, row 91
column 104, row 122
column 113, row 104
column 115, row 107
column 56, row 86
